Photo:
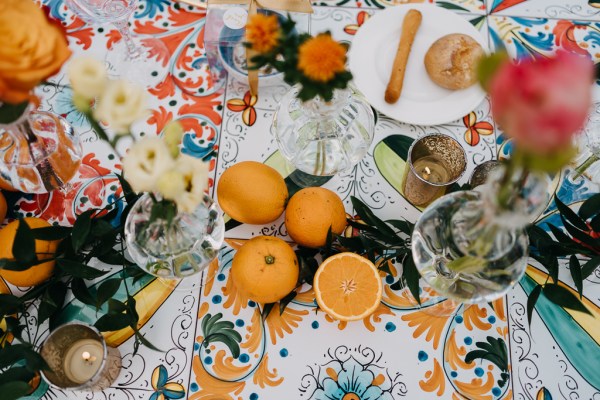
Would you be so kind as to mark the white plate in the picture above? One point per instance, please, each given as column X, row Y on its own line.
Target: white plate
column 422, row 102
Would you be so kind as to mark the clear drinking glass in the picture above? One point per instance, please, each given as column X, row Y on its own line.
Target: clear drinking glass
column 130, row 57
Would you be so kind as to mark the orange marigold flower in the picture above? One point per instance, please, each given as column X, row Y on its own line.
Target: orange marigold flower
column 262, row 32
column 321, row 57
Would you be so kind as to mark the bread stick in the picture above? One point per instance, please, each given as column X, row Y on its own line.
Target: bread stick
column 410, row 25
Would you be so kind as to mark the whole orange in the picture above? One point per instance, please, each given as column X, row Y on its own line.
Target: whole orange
column 44, row 249
column 265, row 269
column 3, row 207
column 252, row 193
column 309, row 214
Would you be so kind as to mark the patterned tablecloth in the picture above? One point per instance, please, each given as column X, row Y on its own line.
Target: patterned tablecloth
column 398, row 352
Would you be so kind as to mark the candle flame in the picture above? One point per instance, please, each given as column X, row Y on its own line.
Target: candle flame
column 86, row 356
column 427, row 171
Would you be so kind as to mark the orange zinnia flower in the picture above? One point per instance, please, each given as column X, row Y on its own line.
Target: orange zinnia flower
column 262, row 32
column 321, row 57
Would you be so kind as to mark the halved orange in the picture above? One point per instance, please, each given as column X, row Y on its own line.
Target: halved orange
column 348, row 287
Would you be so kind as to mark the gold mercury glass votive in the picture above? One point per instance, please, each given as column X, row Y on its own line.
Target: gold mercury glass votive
column 79, row 358
column 482, row 172
column 434, row 163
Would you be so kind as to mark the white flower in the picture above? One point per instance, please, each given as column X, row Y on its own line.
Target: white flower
column 87, row 76
column 195, row 174
column 120, row 105
column 173, row 132
column 145, row 162
column 171, row 184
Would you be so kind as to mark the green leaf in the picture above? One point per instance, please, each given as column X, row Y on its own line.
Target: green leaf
column 139, row 337
column 531, row 300
column 328, row 243
column 559, row 234
column 590, row 207
column 403, row 226
column 575, row 269
column 589, row 267
column 488, row 66
column 9, row 304
column 550, row 263
column 116, row 306
column 411, row 276
column 23, row 247
column 51, row 233
column 266, row 310
column 16, row 374
column 112, row 322
column 81, row 292
column 11, row 112
column 78, row 270
column 579, row 235
column 101, row 228
column 107, row 290
column 52, row 300
column 570, row 215
column 286, row 300
column 128, row 192
column 81, row 229
column 14, row 390
column 563, row 297
column 367, row 215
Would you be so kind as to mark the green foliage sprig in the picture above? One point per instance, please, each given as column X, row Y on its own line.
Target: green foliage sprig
column 580, row 238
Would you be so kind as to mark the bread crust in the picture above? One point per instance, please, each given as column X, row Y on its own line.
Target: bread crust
column 451, row 61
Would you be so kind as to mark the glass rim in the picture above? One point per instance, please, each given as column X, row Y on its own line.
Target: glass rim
column 412, row 168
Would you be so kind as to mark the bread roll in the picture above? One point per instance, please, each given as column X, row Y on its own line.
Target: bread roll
column 451, row 61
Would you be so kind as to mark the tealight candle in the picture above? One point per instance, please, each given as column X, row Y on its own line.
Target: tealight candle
column 434, row 163
column 79, row 358
column 83, row 360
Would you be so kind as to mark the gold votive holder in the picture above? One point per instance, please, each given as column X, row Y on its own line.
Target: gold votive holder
column 434, row 163
column 79, row 358
column 482, row 172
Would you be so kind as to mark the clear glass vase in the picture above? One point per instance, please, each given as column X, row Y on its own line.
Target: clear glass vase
column 324, row 138
column 39, row 152
column 177, row 250
column 470, row 249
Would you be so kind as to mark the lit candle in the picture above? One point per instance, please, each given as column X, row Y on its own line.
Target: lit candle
column 434, row 163
column 83, row 359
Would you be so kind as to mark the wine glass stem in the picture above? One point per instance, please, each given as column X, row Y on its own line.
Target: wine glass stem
column 133, row 51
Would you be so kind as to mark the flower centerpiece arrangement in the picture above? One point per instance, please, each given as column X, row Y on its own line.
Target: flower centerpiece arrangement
column 161, row 217
column 479, row 247
column 39, row 150
column 322, row 125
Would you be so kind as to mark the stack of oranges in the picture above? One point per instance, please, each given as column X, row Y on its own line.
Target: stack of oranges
column 347, row 286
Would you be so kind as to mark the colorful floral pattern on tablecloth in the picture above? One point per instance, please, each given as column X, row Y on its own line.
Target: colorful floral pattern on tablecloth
column 400, row 352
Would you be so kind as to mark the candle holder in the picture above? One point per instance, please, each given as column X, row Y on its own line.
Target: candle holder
column 79, row 358
column 434, row 163
column 481, row 172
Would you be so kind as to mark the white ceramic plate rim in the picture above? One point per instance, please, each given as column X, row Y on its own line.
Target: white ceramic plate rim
column 381, row 33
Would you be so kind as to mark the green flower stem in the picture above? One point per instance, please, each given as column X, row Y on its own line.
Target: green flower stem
column 586, row 164
column 101, row 132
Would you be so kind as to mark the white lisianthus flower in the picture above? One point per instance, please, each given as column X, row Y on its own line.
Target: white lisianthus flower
column 173, row 132
column 87, row 76
column 195, row 174
column 171, row 184
column 146, row 162
column 120, row 105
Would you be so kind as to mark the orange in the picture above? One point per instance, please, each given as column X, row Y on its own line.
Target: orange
column 36, row 274
column 3, row 208
column 309, row 214
column 348, row 287
column 265, row 269
column 252, row 193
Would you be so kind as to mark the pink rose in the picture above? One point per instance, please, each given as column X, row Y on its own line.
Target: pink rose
column 542, row 103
